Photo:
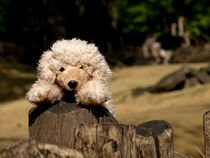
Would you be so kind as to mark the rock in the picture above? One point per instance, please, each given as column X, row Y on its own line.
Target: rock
column 175, row 80
column 29, row 148
column 203, row 76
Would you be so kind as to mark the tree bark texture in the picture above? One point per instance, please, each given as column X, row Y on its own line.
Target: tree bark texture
column 162, row 133
column 112, row 141
column 54, row 124
column 94, row 132
column 206, row 126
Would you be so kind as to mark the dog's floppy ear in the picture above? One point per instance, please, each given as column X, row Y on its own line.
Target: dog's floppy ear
column 46, row 67
column 102, row 72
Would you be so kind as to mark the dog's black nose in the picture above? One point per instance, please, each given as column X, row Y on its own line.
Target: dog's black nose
column 73, row 84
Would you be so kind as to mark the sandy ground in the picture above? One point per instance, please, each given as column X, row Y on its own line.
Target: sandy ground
column 13, row 121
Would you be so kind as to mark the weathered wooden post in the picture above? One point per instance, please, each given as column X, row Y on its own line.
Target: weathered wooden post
column 54, row 124
column 94, row 132
column 206, row 126
column 162, row 133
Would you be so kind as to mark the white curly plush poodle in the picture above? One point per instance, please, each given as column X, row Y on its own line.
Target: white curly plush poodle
column 75, row 66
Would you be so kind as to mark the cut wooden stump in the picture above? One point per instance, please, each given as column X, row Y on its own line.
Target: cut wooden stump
column 163, row 136
column 113, row 141
column 146, row 142
column 206, row 126
column 107, row 141
column 94, row 132
column 54, row 124
column 29, row 149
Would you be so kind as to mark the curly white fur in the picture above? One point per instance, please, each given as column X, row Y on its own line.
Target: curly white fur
column 81, row 62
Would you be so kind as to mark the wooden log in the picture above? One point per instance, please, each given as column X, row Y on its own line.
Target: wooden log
column 163, row 135
column 206, row 127
column 113, row 141
column 54, row 124
column 29, row 148
column 146, row 142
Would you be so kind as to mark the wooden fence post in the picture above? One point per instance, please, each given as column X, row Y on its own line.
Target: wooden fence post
column 163, row 135
column 113, row 141
column 54, row 124
column 206, row 126
column 94, row 132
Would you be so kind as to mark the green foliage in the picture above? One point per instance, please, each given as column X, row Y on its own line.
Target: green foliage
column 80, row 6
column 199, row 22
column 154, row 17
column 3, row 5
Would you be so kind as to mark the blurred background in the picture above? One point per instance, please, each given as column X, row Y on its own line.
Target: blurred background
column 143, row 42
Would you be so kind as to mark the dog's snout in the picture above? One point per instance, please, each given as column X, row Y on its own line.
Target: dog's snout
column 73, row 84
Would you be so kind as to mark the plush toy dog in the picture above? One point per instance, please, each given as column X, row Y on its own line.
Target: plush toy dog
column 72, row 66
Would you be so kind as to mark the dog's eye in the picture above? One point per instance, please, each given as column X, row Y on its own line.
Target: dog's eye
column 62, row 69
column 81, row 67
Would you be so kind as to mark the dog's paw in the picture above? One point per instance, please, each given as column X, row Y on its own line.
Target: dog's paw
column 43, row 93
column 93, row 93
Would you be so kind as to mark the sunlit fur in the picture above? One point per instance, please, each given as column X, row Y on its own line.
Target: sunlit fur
column 82, row 62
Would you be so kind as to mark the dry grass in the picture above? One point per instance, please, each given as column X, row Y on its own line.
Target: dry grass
column 13, row 121
column 183, row 109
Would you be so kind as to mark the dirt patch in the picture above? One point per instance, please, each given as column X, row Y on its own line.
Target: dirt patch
column 13, row 121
